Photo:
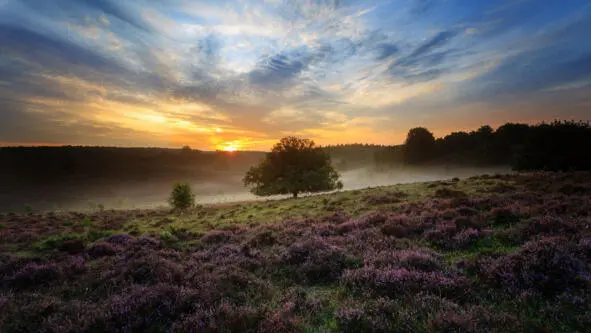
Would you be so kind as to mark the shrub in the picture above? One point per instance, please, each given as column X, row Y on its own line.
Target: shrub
column 225, row 317
column 167, row 237
column 316, row 261
column 72, row 246
column 283, row 320
column 152, row 269
column 182, row 197
column 550, row 266
column 366, row 221
column 119, row 239
column 354, row 319
column 465, row 222
column 420, row 259
column 400, row 226
column 396, row 230
column 262, row 238
column 149, row 308
column 216, row 236
column 34, row 275
column 337, row 218
column 465, row 239
column 550, row 226
column 449, row 193
column 393, row 282
column 503, row 216
column 475, row 320
column 56, row 242
column 147, row 242
column 101, row 249
column 385, row 198
column 442, row 236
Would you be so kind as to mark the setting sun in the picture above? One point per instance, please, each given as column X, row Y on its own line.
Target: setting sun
column 229, row 145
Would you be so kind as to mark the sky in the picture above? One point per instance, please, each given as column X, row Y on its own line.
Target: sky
column 242, row 74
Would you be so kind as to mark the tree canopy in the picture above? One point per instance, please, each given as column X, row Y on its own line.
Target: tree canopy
column 419, row 145
column 555, row 146
column 293, row 166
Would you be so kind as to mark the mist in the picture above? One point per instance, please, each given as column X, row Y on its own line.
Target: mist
column 221, row 189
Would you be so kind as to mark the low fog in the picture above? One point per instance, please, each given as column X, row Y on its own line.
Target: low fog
column 225, row 189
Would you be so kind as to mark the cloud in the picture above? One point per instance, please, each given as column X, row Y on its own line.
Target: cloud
column 278, row 69
column 386, row 50
column 115, row 72
column 440, row 39
column 118, row 10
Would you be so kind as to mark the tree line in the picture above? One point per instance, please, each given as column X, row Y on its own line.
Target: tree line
column 57, row 164
column 555, row 146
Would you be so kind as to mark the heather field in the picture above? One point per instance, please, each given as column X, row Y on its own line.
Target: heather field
column 500, row 253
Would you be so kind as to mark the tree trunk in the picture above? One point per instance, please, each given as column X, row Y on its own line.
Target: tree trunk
column 295, row 194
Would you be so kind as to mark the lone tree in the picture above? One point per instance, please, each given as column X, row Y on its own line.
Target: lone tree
column 419, row 145
column 181, row 197
column 293, row 166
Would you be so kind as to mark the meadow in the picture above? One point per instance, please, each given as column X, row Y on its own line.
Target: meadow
column 492, row 253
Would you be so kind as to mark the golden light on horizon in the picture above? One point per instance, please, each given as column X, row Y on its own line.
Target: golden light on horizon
column 230, row 145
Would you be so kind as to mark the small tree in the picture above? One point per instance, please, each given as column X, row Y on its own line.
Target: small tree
column 293, row 166
column 182, row 197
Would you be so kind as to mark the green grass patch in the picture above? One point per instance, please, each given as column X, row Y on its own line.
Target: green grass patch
column 85, row 222
column 55, row 241
column 490, row 246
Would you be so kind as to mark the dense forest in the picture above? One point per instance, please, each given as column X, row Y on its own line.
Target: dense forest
column 556, row 146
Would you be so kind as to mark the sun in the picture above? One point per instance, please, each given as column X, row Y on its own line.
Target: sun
column 229, row 146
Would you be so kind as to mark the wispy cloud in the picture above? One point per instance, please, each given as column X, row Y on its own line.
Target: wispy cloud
column 243, row 73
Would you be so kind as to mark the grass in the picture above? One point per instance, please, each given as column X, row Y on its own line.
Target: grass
column 322, row 263
column 490, row 247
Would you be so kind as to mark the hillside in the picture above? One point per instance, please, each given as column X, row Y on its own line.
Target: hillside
column 486, row 254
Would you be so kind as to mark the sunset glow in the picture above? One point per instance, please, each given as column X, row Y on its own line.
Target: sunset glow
column 238, row 75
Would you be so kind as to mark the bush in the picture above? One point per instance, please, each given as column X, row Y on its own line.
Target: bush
column 182, row 197
column 478, row 319
column 150, row 309
column 393, row 282
column 420, row 259
column 449, row 193
column 549, row 266
column 152, row 269
column 58, row 241
column 216, row 236
column 503, row 216
column 385, row 198
column 101, row 249
column 72, row 246
column 316, row 261
column 549, row 226
column 464, row 222
column 444, row 237
column 34, row 275
column 119, row 239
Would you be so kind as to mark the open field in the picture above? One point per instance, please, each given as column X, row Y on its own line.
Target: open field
column 501, row 253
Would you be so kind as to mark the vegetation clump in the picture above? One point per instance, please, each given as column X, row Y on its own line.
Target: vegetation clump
column 182, row 197
column 490, row 262
column 293, row 166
